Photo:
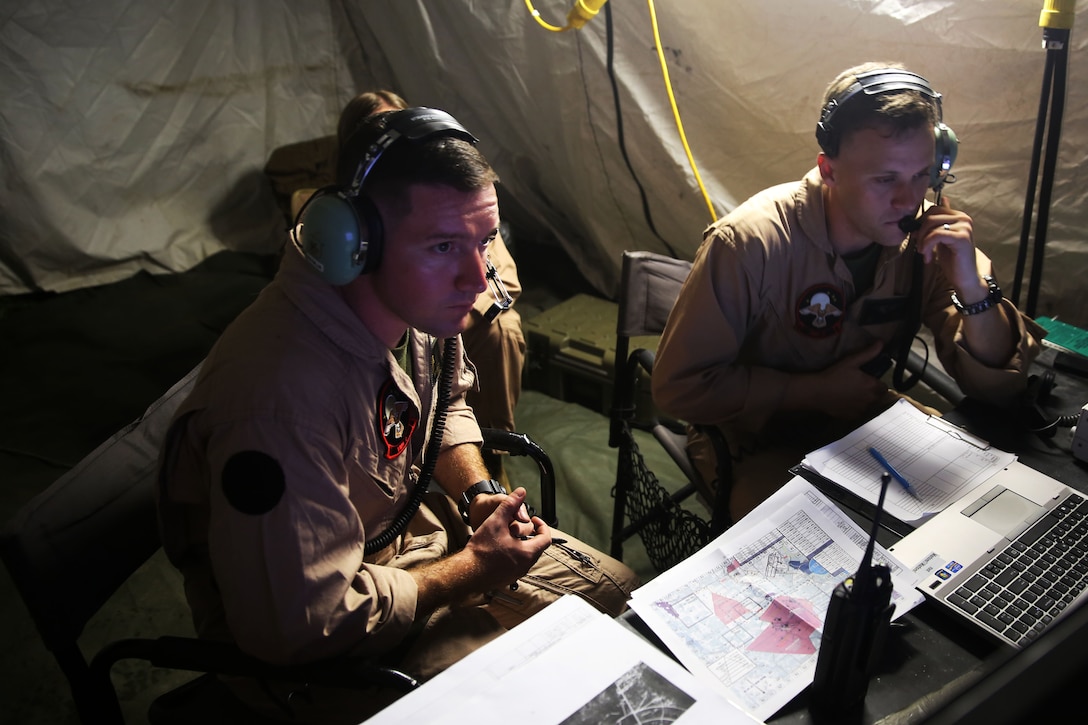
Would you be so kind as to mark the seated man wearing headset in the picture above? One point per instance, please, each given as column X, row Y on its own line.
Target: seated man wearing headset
column 294, row 480
column 799, row 297
column 493, row 339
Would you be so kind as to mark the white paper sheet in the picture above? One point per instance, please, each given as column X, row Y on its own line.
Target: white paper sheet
column 567, row 664
column 941, row 461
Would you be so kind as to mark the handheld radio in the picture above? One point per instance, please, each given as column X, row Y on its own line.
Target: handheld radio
column 854, row 630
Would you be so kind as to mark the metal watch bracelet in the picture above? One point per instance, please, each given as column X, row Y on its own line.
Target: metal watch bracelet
column 993, row 298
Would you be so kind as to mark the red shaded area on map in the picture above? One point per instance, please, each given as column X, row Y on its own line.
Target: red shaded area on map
column 792, row 622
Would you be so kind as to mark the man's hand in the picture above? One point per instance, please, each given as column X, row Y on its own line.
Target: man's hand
column 504, row 545
column 842, row 390
column 485, row 504
column 947, row 238
column 500, row 550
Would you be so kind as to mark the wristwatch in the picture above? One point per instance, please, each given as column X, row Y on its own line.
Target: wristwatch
column 974, row 308
column 489, row 485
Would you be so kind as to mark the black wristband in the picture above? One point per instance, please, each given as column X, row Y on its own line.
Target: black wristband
column 486, row 486
column 993, row 298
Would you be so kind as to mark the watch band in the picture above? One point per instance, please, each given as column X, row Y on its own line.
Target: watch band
column 993, row 298
column 489, row 485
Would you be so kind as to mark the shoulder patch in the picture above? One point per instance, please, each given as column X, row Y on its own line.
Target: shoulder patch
column 397, row 419
column 818, row 311
column 253, row 482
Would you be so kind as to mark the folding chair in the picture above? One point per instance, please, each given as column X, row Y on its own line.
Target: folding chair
column 649, row 286
column 73, row 545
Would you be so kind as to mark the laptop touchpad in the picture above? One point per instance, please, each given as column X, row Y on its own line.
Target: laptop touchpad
column 1004, row 511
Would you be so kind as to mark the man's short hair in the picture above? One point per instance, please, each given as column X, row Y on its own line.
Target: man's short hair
column 898, row 110
column 440, row 159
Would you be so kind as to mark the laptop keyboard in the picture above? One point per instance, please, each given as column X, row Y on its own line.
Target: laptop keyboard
column 1034, row 578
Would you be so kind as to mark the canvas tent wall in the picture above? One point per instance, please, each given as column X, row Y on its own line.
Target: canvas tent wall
column 133, row 135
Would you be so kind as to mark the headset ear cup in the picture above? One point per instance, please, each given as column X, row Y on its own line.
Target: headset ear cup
column 824, row 131
column 370, row 224
column 327, row 232
column 946, row 148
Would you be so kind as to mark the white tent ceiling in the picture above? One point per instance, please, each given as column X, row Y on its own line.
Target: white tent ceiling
column 133, row 134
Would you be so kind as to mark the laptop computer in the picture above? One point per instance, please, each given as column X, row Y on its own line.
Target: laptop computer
column 1010, row 556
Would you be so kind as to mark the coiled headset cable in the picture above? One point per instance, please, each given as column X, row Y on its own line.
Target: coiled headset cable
column 434, row 445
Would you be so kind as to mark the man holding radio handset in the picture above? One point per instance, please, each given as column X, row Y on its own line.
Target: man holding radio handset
column 804, row 295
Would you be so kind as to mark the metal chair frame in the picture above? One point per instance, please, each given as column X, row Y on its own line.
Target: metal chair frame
column 649, row 286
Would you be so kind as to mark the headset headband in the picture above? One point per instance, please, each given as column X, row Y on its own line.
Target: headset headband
column 871, row 83
column 883, row 80
column 413, row 124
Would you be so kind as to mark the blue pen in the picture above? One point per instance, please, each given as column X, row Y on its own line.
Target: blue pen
column 894, row 473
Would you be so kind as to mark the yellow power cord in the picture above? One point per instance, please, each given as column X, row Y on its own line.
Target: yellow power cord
column 544, row 24
column 676, row 112
column 578, row 16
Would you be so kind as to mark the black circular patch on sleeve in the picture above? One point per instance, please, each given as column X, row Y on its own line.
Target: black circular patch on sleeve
column 253, row 482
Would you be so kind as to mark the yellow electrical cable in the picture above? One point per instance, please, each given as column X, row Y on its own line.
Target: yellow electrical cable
column 668, row 88
column 536, row 16
column 676, row 111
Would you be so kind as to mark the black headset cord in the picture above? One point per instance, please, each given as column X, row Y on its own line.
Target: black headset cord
column 912, row 324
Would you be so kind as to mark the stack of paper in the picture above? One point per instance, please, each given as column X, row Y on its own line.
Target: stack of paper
column 746, row 613
column 940, row 461
column 567, row 664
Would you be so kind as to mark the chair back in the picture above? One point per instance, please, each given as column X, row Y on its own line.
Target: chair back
column 649, row 285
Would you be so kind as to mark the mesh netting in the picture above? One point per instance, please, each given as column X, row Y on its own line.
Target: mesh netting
column 673, row 533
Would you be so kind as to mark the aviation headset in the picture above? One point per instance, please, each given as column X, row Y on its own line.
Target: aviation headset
column 887, row 80
column 339, row 230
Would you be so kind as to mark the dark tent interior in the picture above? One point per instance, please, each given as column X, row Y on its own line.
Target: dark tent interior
column 142, row 211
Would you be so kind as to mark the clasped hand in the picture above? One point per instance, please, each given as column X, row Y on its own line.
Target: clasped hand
column 507, row 541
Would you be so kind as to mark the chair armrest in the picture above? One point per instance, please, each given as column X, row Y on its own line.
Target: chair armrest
column 519, row 444
column 196, row 655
